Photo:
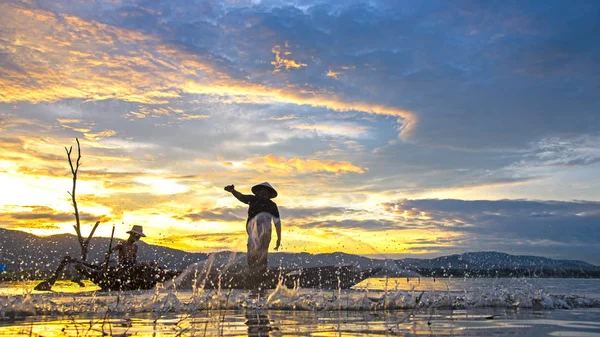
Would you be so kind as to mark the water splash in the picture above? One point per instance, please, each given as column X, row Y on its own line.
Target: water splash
column 163, row 300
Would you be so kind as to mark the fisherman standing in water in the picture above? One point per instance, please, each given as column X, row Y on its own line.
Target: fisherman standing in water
column 261, row 211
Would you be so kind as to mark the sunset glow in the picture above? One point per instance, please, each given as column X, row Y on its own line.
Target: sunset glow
column 381, row 138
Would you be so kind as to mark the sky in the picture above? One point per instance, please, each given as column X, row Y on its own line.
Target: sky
column 389, row 128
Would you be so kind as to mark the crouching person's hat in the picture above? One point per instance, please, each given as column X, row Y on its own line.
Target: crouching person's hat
column 138, row 230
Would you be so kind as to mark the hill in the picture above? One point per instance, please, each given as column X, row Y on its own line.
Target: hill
column 497, row 264
column 494, row 260
column 21, row 251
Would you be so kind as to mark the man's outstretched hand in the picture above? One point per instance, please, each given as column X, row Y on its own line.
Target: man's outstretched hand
column 229, row 188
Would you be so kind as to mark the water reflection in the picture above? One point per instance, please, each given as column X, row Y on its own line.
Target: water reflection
column 582, row 287
column 259, row 324
column 481, row 322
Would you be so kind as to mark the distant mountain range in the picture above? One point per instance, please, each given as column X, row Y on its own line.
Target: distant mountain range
column 21, row 251
column 495, row 264
column 494, row 260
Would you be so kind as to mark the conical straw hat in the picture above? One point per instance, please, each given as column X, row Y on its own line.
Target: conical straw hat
column 266, row 185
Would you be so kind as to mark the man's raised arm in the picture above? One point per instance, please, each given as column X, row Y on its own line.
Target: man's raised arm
column 241, row 197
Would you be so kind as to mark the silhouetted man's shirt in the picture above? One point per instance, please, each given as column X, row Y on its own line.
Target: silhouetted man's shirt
column 258, row 205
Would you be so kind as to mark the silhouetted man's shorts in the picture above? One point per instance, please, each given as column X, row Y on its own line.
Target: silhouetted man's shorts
column 259, row 238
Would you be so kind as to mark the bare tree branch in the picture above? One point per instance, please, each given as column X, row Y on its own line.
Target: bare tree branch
column 74, row 171
column 47, row 285
column 86, row 243
column 92, row 232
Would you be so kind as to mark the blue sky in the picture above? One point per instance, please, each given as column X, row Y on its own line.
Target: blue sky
column 443, row 125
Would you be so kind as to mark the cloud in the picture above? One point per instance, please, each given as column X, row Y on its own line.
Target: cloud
column 282, row 165
column 315, row 212
column 445, row 68
column 149, row 111
column 558, row 229
column 173, row 100
column 351, row 224
column 217, row 214
column 63, row 56
column 349, row 130
column 204, row 242
column 40, row 217
column 284, row 62
column 513, row 220
column 333, row 74
column 562, row 151
column 283, row 118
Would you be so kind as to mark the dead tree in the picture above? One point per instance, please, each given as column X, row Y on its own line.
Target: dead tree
column 83, row 243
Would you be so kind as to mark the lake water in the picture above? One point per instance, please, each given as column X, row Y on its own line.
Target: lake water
column 385, row 307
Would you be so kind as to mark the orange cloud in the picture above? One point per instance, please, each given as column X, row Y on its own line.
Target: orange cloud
column 411, row 213
column 145, row 111
column 281, row 164
column 281, row 62
column 67, row 57
column 257, row 93
column 97, row 135
column 132, row 195
column 333, row 74
column 283, row 118
column 187, row 117
column 62, row 57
